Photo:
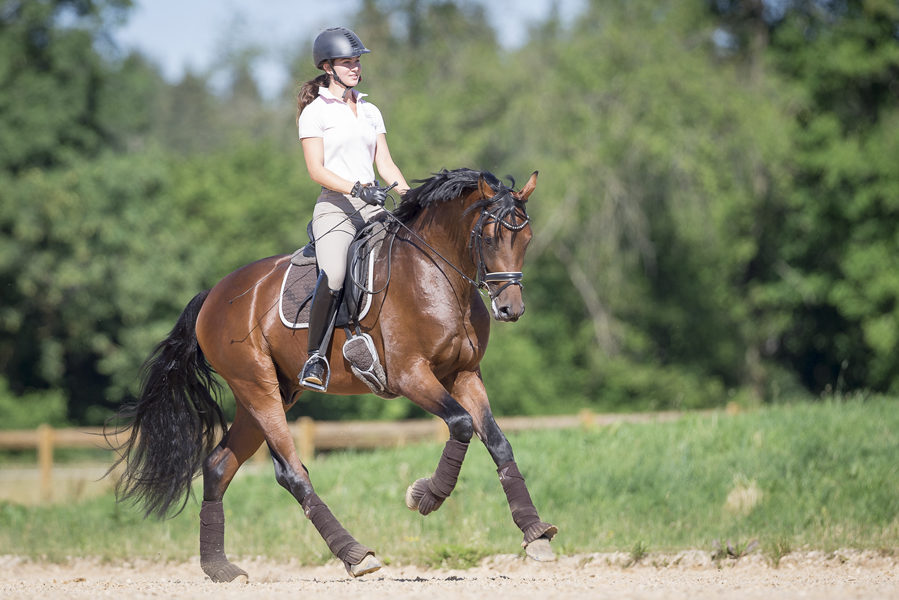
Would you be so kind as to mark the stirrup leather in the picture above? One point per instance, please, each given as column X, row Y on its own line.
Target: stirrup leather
column 322, row 314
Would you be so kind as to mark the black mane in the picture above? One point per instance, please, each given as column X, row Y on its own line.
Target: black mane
column 443, row 186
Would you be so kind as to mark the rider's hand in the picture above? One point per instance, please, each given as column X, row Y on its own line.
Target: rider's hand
column 373, row 195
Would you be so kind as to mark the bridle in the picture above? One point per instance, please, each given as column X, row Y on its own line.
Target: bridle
column 498, row 215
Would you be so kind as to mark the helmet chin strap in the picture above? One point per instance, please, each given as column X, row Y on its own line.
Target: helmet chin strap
column 346, row 88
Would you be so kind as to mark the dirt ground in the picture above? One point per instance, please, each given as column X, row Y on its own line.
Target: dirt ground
column 694, row 575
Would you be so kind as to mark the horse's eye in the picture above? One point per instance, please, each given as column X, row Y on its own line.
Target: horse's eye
column 489, row 241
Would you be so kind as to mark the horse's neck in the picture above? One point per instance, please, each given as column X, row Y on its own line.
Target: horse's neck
column 447, row 241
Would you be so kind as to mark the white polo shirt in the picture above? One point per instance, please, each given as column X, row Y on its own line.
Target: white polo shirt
column 349, row 140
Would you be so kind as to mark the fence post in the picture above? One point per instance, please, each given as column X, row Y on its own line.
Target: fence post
column 586, row 418
column 45, row 460
column 307, row 439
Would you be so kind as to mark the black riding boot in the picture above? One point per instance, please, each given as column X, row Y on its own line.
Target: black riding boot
column 322, row 313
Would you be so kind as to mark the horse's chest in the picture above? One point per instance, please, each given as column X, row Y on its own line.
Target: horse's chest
column 464, row 347
column 451, row 328
column 461, row 345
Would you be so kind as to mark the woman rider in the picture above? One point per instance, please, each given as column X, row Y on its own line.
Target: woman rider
column 342, row 135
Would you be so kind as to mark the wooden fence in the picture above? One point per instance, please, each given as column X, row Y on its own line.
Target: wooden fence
column 311, row 436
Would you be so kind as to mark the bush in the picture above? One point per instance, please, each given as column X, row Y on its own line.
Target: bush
column 31, row 409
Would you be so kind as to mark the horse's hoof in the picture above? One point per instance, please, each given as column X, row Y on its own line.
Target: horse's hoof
column 415, row 492
column 369, row 564
column 540, row 550
column 226, row 573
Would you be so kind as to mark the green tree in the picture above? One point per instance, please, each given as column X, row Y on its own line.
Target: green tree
column 438, row 82
column 51, row 74
column 832, row 277
column 79, row 249
column 660, row 163
column 132, row 102
column 100, row 259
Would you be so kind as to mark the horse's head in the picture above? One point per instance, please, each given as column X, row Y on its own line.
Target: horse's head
column 498, row 243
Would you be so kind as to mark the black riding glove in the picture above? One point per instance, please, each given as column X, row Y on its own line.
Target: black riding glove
column 373, row 195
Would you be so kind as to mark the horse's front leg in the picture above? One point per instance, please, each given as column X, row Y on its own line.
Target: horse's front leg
column 427, row 494
column 469, row 389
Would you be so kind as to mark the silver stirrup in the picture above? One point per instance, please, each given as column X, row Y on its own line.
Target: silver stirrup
column 359, row 351
column 327, row 373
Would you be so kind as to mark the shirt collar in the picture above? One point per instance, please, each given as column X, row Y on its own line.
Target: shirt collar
column 326, row 93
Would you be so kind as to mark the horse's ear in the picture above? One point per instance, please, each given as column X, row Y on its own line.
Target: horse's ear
column 528, row 187
column 485, row 189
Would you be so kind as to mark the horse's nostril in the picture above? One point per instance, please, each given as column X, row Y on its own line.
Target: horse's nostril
column 505, row 313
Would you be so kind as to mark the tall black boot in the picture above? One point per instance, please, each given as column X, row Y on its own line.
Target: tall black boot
column 322, row 314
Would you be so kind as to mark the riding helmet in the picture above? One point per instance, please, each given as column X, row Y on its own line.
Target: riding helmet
column 336, row 42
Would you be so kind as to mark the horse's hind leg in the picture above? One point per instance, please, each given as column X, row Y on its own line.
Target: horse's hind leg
column 268, row 411
column 469, row 389
column 243, row 439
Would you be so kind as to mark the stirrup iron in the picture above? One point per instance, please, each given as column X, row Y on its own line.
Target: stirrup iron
column 326, row 373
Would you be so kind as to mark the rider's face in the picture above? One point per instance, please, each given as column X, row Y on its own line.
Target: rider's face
column 348, row 69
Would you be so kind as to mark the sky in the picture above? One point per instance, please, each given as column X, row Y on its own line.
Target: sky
column 188, row 34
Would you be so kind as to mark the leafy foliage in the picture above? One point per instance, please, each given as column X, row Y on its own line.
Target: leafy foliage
column 714, row 218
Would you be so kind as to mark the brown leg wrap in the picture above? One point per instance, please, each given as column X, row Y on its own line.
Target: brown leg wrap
column 342, row 544
column 212, row 544
column 441, row 484
column 524, row 513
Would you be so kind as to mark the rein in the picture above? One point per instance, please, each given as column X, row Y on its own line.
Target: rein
column 475, row 245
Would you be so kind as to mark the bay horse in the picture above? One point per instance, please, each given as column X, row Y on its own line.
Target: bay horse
column 458, row 231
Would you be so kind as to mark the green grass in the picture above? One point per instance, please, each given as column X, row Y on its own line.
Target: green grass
column 818, row 476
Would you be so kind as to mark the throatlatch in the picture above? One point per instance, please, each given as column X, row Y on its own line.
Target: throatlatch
column 524, row 513
column 212, row 544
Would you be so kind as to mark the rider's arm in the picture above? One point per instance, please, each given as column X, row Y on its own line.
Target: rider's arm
column 387, row 169
column 314, row 153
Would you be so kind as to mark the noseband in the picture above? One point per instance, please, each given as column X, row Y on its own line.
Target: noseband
column 503, row 205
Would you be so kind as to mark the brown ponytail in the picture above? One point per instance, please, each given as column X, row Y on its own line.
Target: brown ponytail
column 309, row 91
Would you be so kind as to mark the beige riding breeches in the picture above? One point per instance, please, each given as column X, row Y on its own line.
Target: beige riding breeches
column 335, row 221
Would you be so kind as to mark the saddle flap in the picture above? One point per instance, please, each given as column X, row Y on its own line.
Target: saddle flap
column 357, row 286
column 302, row 273
column 303, row 257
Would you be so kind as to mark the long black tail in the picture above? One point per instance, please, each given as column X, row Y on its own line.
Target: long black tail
column 173, row 422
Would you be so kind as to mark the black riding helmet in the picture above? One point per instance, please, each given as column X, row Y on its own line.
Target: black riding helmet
column 336, row 42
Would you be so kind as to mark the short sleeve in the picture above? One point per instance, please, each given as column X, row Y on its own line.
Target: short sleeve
column 375, row 117
column 310, row 123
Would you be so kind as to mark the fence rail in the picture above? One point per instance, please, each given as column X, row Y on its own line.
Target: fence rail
column 311, row 436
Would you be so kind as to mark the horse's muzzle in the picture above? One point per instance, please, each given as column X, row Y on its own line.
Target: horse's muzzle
column 507, row 311
column 509, row 306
